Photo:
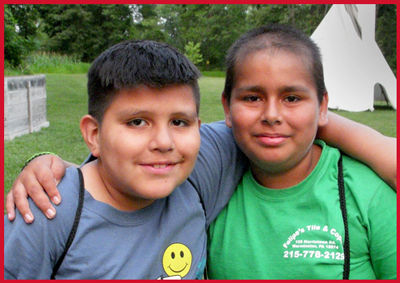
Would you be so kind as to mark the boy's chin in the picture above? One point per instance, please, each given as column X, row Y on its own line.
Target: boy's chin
column 161, row 190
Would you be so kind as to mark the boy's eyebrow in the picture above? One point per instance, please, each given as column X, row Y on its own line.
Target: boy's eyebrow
column 188, row 114
column 254, row 88
column 259, row 89
column 184, row 114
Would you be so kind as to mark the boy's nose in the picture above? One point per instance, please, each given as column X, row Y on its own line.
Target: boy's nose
column 162, row 140
column 271, row 114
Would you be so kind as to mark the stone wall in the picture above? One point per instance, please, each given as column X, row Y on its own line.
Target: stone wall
column 24, row 105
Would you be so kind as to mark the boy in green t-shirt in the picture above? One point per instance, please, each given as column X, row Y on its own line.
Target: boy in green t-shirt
column 286, row 219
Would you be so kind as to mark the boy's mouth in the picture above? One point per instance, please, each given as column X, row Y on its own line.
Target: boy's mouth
column 159, row 169
column 271, row 139
column 159, row 166
column 163, row 167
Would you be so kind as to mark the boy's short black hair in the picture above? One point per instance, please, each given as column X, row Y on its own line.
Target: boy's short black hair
column 274, row 37
column 138, row 62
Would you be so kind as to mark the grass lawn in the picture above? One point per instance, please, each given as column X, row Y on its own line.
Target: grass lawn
column 67, row 103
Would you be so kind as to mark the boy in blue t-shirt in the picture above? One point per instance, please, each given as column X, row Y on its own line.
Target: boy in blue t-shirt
column 141, row 217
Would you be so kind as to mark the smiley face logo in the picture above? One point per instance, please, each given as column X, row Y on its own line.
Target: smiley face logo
column 177, row 260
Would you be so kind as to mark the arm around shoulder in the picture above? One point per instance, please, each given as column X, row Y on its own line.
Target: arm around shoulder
column 363, row 143
column 39, row 175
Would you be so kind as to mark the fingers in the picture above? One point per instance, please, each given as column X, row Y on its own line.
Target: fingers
column 58, row 168
column 45, row 182
column 40, row 179
column 34, row 180
column 10, row 208
column 35, row 189
column 18, row 196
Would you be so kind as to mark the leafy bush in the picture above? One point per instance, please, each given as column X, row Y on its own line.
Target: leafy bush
column 51, row 63
column 192, row 51
column 47, row 63
column 16, row 46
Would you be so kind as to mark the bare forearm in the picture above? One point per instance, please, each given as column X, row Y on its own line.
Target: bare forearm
column 363, row 143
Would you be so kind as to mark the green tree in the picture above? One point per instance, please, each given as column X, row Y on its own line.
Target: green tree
column 147, row 23
column 386, row 33
column 19, row 33
column 12, row 41
column 215, row 27
column 192, row 51
column 223, row 26
column 26, row 17
column 84, row 31
column 303, row 16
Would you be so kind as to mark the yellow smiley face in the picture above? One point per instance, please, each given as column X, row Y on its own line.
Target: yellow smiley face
column 177, row 260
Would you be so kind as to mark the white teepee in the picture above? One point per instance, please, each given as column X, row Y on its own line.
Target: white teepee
column 354, row 67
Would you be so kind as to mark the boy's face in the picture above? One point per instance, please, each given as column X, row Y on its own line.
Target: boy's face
column 148, row 142
column 274, row 111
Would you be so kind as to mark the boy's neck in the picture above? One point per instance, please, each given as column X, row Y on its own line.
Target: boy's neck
column 288, row 178
column 99, row 190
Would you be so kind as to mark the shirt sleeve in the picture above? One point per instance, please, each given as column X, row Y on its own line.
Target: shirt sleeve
column 30, row 251
column 219, row 168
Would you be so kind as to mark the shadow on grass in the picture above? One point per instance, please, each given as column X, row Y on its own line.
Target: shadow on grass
column 384, row 107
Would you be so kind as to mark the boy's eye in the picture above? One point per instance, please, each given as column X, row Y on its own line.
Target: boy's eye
column 251, row 98
column 292, row 98
column 137, row 122
column 179, row 123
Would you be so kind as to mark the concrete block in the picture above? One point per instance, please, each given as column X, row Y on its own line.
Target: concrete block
column 24, row 105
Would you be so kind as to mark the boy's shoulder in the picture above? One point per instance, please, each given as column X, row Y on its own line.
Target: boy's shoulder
column 362, row 180
column 358, row 170
column 217, row 141
column 70, row 184
column 215, row 129
column 69, row 189
column 358, row 176
column 362, row 184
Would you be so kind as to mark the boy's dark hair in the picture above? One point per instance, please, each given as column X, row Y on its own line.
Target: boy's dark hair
column 274, row 37
column 138, row 62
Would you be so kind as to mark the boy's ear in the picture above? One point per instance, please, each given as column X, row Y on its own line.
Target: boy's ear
column 90, row 132
column 225, row 104
column 323, row 111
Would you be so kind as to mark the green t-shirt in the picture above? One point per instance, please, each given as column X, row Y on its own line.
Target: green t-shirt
column 298, row 232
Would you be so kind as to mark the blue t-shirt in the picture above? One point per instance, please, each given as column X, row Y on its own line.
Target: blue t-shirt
column 164, row 240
